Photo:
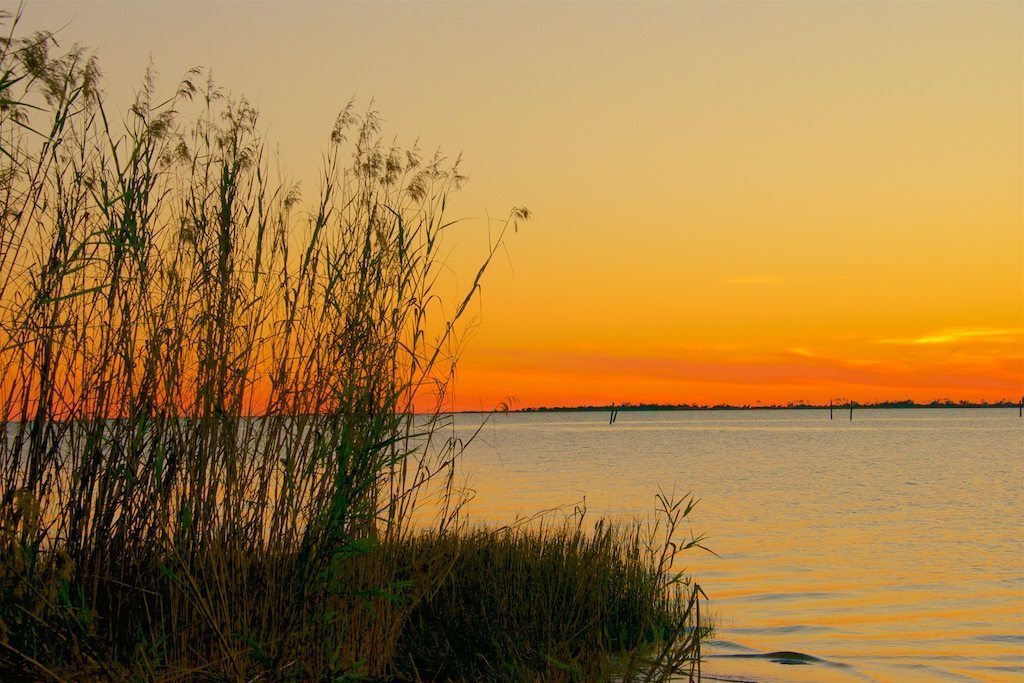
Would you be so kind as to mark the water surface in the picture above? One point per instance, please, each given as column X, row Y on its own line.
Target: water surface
column 889, row 548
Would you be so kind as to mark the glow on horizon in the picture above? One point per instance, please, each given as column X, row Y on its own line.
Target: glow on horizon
column 974, row 368
column 733, row 202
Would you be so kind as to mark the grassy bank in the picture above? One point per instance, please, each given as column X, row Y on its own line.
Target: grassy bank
column 509, row 604
column 560, row 602
column 225, row 400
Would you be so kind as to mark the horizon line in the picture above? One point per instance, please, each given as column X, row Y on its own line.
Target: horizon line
column 792, row 405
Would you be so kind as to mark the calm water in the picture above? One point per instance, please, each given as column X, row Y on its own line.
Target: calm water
column 890, row 548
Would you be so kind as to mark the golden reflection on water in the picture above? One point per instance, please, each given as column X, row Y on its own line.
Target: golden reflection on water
column 890, row 548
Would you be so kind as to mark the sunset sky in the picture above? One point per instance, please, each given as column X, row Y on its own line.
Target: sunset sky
column 733, row 202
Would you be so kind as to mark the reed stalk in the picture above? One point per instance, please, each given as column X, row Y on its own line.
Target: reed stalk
column 224, row 402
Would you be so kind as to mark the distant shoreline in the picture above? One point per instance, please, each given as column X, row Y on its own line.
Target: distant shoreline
column 650, row 407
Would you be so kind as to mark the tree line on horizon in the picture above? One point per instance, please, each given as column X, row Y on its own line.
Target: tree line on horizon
column 792, row 405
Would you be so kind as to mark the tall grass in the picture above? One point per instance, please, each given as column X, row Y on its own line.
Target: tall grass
column 224, row 401
column 559, row 601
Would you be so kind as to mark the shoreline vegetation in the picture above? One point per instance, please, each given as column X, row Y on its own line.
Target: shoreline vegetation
column 797, row 405
column 227, row 402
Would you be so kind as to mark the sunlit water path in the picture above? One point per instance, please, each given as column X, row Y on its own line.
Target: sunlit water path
column 888, row 548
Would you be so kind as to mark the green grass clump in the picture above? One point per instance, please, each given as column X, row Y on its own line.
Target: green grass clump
column 553, row 603
column 224, row 403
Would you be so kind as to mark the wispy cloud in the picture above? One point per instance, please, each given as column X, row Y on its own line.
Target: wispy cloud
column 960, row 335
column 753, row 280
column 774, row 280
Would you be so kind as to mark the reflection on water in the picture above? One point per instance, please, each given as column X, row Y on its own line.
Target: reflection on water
column 888, row 548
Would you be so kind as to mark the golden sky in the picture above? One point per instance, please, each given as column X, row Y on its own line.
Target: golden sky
column 733, row 202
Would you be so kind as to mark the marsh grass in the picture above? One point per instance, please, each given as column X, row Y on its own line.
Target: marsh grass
column 224, row 402
column 559, row 601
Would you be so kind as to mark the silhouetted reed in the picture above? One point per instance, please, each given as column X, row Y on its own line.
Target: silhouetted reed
column 224, row 403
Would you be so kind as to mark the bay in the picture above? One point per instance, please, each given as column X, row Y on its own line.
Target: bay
column 888, row 548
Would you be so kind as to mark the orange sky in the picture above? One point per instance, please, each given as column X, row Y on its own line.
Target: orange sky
column 733, row 202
